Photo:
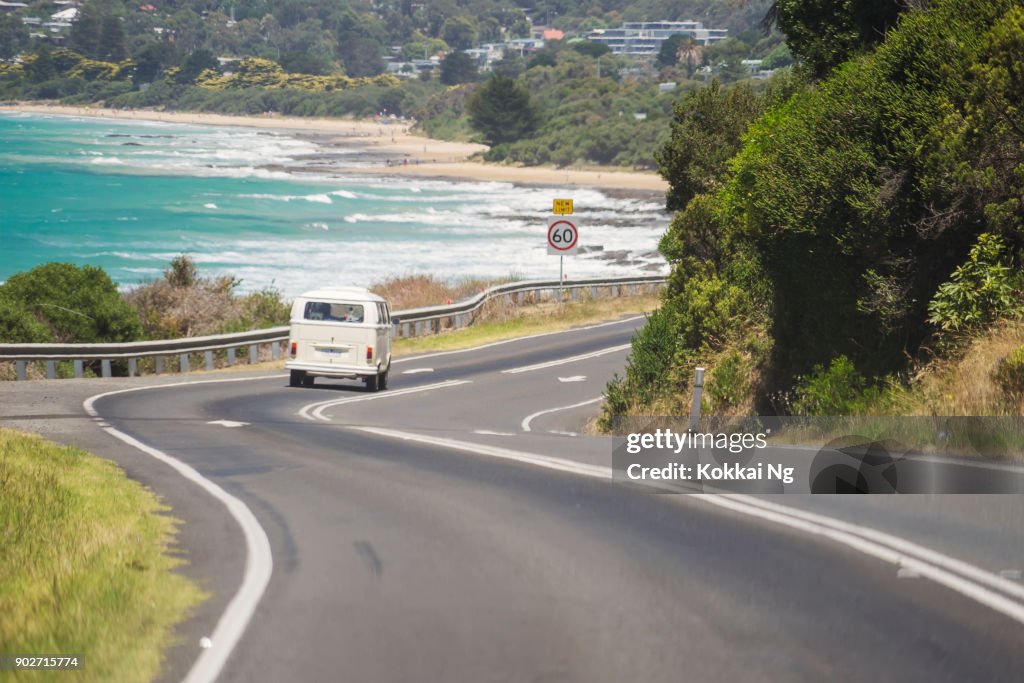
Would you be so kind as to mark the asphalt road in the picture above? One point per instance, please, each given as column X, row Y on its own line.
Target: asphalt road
column 410, row 544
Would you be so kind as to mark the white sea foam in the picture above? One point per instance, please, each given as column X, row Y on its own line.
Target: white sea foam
column 209, row 205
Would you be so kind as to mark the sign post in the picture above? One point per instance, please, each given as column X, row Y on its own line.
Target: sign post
column 563, row 237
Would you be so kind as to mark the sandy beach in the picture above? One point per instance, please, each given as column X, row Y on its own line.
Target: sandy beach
column 400, row 151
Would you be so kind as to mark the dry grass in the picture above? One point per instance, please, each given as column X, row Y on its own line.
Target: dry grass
column 499, row 322
column 414, row 291
column 965, row 384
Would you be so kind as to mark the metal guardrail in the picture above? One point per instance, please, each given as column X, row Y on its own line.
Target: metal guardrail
column 414, row 322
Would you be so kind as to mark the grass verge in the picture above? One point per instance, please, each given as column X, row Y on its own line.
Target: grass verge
column 85, row 567
column 528, row 320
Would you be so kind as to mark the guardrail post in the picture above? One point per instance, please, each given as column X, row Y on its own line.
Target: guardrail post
column 51, row 369
column 419, row 328
column 593, row 292
column 208, row 357
column 254, row 354
column 19, row 369
column 698, row 389
column 575, row 296
column 79, row 371
column 521, row 298
column 105, row 367
column 231, row 356
column 275, row 350
column 184, row 363
column 133, row 367
column 159, row 369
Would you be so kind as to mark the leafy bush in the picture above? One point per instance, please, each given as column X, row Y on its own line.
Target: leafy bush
column 836, row 390
column 983, row 289
column 728, row 383
column 75, row 304
column 1009, row 374
column 18, row 326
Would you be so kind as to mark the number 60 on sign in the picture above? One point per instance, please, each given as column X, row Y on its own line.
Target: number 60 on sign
column 563, row 237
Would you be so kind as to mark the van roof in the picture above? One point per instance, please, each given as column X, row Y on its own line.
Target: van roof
column 342, row 293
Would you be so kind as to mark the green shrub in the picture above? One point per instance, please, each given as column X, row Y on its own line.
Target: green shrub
column 983, row 289
column 836, row 390
column 1009, row 374
column 727, row 385
column 76, row 304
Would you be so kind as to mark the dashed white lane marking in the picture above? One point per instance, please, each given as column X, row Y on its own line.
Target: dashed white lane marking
column 563, row 361
column 488, row 432
column 315, row 411
column 416, row 371
column 259, row 563
column 228, row 423
column 529, row 418
column 558, row 432
column 984, row 587
column 574, row 378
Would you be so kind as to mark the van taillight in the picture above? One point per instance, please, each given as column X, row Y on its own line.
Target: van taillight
column 369, row 353
column 295, row 348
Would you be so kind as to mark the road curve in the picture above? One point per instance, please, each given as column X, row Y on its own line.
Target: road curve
column 395, row 560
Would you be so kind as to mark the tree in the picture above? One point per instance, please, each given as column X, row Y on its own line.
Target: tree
column 502, row 110
column 112, row 47
column 706, row 129
column 13, row 36
column 151, row 60
column 457, row 67
column 76, row 304
column 459, row 32
column 824, row 34
column 361, row 55
column 42, row 67
column 590, row 48
column 85, row 31
column 195, row 64
column 668, row 55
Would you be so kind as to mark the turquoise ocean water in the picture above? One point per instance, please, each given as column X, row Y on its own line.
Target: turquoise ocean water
column 268, row 208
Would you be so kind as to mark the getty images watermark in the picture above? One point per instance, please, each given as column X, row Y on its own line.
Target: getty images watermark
column 820, row 455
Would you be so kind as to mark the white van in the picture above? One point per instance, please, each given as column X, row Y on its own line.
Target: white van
column 341, row 332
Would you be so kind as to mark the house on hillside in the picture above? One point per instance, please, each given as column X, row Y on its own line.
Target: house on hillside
column 644, row 38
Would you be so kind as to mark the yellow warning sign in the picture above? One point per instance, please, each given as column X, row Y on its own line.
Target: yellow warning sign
column 562, row 207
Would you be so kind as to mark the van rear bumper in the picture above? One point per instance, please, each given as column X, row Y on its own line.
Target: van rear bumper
column 330, row 370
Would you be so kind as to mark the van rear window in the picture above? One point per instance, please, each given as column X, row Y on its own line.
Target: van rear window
column 334, row 312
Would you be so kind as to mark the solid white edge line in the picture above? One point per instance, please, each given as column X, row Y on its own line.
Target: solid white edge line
column 259, row 562
column 905, row 554
column 940, row 459
column 563, row 361
column 990, row 579
column 529, row 418
column 314, row 411
column 860, row 542
column 406, row 359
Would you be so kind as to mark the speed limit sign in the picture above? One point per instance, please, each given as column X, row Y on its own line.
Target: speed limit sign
column 563, row 238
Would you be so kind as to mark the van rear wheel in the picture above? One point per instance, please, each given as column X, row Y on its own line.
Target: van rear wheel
column 296, row 378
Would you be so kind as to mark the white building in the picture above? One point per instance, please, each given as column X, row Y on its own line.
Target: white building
column 645, row 37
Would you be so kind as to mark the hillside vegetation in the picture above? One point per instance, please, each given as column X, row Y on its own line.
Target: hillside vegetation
column 323, row 58
column 868, row 223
